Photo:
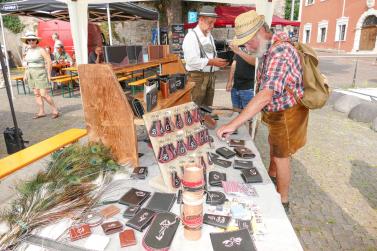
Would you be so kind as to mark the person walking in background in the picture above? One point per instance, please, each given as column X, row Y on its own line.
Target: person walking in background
column 279, row 79
column 201, row 57
column 55, row 38
column 38, row 74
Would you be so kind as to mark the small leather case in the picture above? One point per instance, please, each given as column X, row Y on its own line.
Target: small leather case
column 215, row 198
column 109, row 211
column 236, row 142
column 127, row 238
column 141, row 219
column 161, row 232
column 213, row 155
column 161, row 202
column 251, row 175
column 131, row 211
column 225, row 152
column 242, row 164
column 134, row 197
column 239, row 240
column 244, row 152
column 216, row 220
column 79, row 232
column 215, row 178
column 209, row 122
column 222, row 162
column 140, row 172
column 112, row 227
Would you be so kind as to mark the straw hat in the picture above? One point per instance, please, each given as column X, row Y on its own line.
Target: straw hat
column 30, row 35
column 208, row 11
column 246, row 26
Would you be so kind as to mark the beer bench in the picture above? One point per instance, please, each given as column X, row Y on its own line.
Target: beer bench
column 20, row 81
column 66, row 81
column 39, row 150
column 139, row 82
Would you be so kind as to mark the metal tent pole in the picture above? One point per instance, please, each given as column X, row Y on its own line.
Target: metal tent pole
column 6, row 54
column 109, row 24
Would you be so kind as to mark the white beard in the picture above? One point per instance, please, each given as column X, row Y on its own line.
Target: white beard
column 262, row 49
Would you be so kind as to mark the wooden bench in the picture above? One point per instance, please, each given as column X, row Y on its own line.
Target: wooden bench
column 66, row 81
column 140, row 82
column 130, row 76
column 20, row 80
column 37, row 151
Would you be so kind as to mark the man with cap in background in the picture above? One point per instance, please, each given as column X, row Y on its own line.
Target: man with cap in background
column 201, row 57
column 279, row 83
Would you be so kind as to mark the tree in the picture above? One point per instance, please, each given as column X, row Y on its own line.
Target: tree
column 287, row 13
column 12, row 23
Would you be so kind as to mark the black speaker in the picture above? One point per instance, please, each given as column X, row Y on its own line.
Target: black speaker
column 10, row 137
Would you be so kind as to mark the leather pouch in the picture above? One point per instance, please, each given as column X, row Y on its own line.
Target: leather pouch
column 141, row 219
column 222, row 162
column 131, row 211
column 127, row 238
column 215, row 178
column 215, row 198
column 209, row 122
column 109, row 211
column 112, row 227
column 161, row 202
column 161, row 232
column 225, row 152
column 134, row 197
column 140, row 172
column 251, row 175
column 239, row 240
column 236, row 142
column 79, row 232
column 244, row 152
column 216, row 220
column 242, row 164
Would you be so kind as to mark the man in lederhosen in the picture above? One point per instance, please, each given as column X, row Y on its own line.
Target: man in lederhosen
column 201, row 57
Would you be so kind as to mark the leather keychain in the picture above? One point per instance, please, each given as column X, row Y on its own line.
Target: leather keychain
column 160, row 128
column 191, row 143
column 168, row 125
column 153, row 130
column 181, row 148
column 163, row 155
column 179, row 121
column 188, row 118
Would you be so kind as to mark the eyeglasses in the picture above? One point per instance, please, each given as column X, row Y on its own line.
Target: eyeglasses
column 32, row 40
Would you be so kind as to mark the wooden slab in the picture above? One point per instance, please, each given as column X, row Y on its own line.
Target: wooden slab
column 108, row 115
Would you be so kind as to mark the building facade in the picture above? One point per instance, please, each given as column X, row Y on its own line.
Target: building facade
column 345, row 25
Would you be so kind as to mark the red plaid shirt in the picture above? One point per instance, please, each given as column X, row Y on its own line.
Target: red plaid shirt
column 278, row 68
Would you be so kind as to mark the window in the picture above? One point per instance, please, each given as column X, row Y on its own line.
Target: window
column 322, row 31
column 323, row 35
column 307, row 33
column 309, row 2
column 341, row 29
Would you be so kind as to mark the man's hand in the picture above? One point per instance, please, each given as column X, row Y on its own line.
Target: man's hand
column 218, row 62
column 225, row 131
column 229, row 86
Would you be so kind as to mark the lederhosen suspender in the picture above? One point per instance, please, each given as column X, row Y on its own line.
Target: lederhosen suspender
column 203, row 54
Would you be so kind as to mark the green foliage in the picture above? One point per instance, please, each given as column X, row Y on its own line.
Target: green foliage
column 104, row 26
column 287, row 12
column 12, row 23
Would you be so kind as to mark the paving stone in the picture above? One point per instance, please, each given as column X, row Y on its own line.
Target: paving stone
column 345, row 103
column 364, row 112
column 334, row 97
column 374, row 125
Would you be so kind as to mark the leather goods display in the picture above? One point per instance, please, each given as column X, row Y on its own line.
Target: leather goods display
column 236, row 142
column 136, row 106
column 79, row 232
column 179, row 80
column 134, row 197
column 220, row 221
column 109, row 211
column 131, row 211
column 161, row 202
column 206, row 108
column 239, row 240
column 140, row 172
column 215, row 198
column 209, row 122
column 242, row 164
column 127, row 238
column 222, row 162
column 164, row 89
column 251, row 175
column 112, row 227
column 215, row 178
column 161, row 232
column 151, row 99
column 141, row 219
column 244, row 224
column 244, row 152
column 225, row 152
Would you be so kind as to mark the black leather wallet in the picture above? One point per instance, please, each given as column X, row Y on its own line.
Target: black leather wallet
column 131, row 211
column 216, row 220
column 239, row 240
column 134, row 197
column 141, row 219
column 216, row 178
column 136, row 106
column 236, row 142
column 140, row 172
column 225, row 152
column 161, row 202
column 222, row 162
column 215, row 198
column 151, row 97
column 251, row 175
column 244, row 152
column 242, row 164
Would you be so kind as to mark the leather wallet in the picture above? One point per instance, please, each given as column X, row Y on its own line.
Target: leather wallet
column 215, row 178
column 161, row 232
column 127, row 238
column 244, row 152
column 140, row 172
column 236, row 142
column 109, row 211
column 134, row 197
column 213, row 155
column 222, row 162
column 141, row 219
column 161, row 202
column 112, row 227
column 79, row 232
column 209, row 122
column 131, row 211
column 251, row 175
column 239, row 240
column 242, row 164
column 215, row 198
column 225, row 152
column 216, row 220
column 151, row 97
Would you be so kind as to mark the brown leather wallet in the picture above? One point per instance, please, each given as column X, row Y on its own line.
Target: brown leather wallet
column 127, row 238
column 112, row 227
column 79, row 232
column 109, row 211
column 236, row 142
column 244, row 152
column 209, row 122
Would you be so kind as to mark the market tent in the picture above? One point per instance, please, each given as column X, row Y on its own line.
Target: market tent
column 227, row 15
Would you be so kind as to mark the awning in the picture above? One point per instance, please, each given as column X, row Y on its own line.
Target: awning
column 227, row 15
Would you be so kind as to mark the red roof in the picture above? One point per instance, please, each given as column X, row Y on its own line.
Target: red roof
column 227, row 15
